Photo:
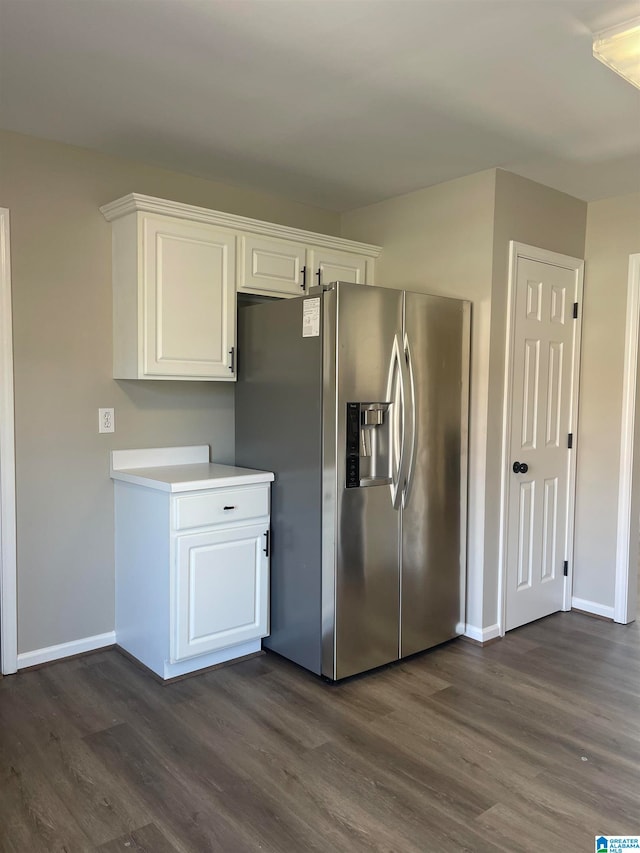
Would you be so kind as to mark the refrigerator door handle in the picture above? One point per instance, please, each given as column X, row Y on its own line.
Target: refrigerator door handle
column 396, row 396
column 410, row 450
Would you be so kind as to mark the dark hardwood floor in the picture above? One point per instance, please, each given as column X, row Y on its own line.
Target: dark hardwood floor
column 531, row 743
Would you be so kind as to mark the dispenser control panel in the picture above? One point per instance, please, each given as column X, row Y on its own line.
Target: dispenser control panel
column 353, row 445
column 367, row 460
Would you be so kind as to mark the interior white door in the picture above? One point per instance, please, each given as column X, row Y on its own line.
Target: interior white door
column 539, row 462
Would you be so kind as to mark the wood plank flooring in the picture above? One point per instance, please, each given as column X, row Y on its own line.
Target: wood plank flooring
column 531, row 743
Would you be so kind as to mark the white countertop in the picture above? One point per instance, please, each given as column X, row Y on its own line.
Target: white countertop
column 180, row 472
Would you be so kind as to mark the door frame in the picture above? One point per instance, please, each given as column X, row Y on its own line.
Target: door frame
column 624, row 606
column 523, row 251
column 8, row 572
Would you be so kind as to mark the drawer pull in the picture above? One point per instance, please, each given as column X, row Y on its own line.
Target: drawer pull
column 229, row 507
column 267, row 546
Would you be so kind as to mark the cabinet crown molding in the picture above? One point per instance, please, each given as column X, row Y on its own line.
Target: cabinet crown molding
column 136, row 202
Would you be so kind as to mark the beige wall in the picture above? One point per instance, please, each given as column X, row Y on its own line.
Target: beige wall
column 440, row 240
column 61, row 271
column 526, row 212
column 613, row 233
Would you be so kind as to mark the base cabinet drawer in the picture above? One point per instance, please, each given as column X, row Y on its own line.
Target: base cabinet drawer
column 221, row 506
column 221, row 589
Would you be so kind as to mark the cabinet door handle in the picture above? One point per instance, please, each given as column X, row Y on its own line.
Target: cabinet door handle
column 229, row 507
column 304, row 278
column 267, row 547
column 232, row 355
column 319, row 274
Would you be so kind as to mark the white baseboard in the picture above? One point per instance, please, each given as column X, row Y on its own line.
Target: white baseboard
column 65, row 650
column 592, row 607
column 482, row 635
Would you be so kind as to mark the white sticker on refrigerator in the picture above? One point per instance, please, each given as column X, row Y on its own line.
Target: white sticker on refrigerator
column 311, row 318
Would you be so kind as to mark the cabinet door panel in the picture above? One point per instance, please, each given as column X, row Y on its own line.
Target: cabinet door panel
column 221, row 590
column 338, row 266
column 189, row 326
column 271, row 266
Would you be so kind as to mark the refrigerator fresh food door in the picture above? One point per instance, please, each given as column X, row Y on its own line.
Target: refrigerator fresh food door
column 361, row 541
column 436, row 341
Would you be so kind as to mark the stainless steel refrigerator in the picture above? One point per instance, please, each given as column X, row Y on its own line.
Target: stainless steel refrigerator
column 357, row 398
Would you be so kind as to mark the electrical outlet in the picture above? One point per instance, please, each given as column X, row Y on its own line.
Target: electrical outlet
column 106, row 420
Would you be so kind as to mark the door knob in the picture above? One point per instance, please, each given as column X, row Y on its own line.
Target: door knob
column 520, row 467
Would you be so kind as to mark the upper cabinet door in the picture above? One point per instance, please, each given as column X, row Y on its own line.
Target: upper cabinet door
column 188, row 299
column 272, row 266
column 329, row 265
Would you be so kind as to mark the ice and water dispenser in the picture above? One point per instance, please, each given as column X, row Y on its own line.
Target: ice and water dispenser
column 368, row 461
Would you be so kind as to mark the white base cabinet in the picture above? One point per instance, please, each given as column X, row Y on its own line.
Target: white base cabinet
column 192, row 570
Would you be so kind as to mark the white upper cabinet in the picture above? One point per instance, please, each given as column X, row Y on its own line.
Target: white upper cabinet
column 173, row 299
column 331, row 266
column 176, row 271
column 274, row 267
column 271, row 266
column 188, row 299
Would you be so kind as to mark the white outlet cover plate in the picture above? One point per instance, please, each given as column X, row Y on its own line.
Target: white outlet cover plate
column 106, row 420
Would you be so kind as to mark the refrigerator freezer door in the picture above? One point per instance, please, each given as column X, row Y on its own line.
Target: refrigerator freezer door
column 434, row 516
column 364, row 551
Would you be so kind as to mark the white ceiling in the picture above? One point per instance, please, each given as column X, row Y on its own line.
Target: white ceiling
column 337, row 103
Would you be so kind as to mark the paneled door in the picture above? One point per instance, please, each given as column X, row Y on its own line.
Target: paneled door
column 222, row 589
column 189, row 299
column 542, row 417
column 273, row 267
column 329, row 265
